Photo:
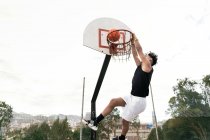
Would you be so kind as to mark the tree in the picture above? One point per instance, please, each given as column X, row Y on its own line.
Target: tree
column 60, row 130
column 65, row 129
column 55, row 130
column 206, row 89
column 109, row 124
column 136, row 126
column 190, row 109
column 44, row 128
column 183, row 128
column 188, row 102
column 15, row 134
column 152, row 135
column 113, row 120
column 5, row 114
column 76, row 134
column 86, row 133
column 33, row 133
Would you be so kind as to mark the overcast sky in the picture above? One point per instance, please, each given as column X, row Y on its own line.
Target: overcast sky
column 43, row 60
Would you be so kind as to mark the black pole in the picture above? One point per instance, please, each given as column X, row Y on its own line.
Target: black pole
column 95, row 94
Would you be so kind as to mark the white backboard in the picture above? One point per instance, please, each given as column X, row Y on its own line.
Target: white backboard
column 95, row 34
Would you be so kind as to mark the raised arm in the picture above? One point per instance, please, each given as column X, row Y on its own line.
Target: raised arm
column 139, row 55
column 135, row 55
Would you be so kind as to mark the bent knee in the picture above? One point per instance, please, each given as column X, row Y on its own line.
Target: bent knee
column 113, row 102
column 117, row 102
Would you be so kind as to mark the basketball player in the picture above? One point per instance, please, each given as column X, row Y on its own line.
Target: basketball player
column 135, row 103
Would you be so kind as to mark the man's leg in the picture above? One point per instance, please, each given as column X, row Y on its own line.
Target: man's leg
column 125, row 128
column 112, row 104
column 108, row 109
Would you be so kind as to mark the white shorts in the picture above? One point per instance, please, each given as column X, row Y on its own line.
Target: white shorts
column 134, row 106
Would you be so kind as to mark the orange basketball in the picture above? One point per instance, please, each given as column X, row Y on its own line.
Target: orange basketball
column 114, row 35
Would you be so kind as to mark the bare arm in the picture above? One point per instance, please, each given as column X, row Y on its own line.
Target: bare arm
column 138, row 51
column 135, row 55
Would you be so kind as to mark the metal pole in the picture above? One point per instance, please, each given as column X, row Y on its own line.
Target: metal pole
column 81, row 125
column 97, row 88
column 0, row 132
column 154, row 113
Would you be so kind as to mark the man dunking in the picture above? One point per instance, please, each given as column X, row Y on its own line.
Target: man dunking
column 135, row 103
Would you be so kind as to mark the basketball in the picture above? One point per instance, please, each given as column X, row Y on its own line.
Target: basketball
column 113, row 35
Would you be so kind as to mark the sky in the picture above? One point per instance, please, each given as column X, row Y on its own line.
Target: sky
column 43, row 61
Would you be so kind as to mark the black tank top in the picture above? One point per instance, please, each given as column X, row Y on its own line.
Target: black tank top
column 140, row 82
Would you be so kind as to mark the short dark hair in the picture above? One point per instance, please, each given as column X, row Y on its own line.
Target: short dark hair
column 154, row 58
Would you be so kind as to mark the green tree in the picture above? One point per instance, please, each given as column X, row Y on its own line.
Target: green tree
column 44, row 128
column 5, row 114
column 152, row 135
column 76, row 134
column 86, row 133
column 55, row 130
column 135, row 124
column 190, row 109
column 205, row 84
column 33, row 133
column 15, row 134
column 109, row 124
column 188, row 102
column 60, row 130
column 65, row 129
column 183, row 128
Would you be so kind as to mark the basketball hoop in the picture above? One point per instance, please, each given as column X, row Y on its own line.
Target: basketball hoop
column 120, row 49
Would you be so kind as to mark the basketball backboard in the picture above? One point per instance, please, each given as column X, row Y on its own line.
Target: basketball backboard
column 95, row 34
